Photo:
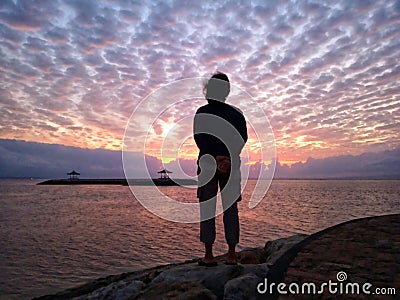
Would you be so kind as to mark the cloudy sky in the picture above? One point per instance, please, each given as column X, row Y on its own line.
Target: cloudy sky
column 326, row 73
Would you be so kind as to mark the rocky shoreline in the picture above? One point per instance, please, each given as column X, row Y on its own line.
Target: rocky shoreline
column 365, row 251
column 362, row 251
column 187, row 280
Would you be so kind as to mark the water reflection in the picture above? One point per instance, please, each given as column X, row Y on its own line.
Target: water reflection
column 54, row 237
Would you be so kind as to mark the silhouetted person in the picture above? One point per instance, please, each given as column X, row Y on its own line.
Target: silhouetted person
column 220, row 134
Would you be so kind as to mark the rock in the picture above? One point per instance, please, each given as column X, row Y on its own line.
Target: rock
column 213, row 278
column 274, row 249
column 252, row 256
column 189, row 290
column 188, row 280
column 243, row 287
column 260, row 270
column 117, row 290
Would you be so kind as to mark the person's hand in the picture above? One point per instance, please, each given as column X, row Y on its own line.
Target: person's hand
column 223, row 165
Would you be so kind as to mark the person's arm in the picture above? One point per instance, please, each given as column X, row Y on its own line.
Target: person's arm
column 199, row 138
column 241, row 126
column 243, row 129
column 206, row 143
column 242, row 137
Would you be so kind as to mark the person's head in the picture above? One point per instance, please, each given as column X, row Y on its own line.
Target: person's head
column 217, row 87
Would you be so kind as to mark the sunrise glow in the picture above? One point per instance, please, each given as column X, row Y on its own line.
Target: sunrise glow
column 325, row 75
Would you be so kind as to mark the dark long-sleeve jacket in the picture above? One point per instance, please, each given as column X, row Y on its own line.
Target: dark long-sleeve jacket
column 227, row 122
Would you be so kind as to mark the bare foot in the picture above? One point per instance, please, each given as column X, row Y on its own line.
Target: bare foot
column 208, row 260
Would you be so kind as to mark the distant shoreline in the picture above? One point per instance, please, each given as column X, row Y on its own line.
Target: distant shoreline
column 142, row 179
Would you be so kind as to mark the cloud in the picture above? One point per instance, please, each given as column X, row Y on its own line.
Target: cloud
column 38, row 160
column 324, row 74
column 29, row 159
column 21, row 15
column 385, row 164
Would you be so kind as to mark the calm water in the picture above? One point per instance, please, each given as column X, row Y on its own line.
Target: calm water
column 56, row 237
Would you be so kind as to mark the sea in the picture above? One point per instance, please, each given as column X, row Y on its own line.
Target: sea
column 57, row 237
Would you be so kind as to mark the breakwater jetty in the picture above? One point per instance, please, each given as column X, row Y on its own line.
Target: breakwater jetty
column 126, row 182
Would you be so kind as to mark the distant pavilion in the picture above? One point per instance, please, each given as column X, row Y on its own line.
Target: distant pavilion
column 164, row 174
column 73, row 175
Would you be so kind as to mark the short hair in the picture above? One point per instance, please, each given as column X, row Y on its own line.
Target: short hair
column 217, row 87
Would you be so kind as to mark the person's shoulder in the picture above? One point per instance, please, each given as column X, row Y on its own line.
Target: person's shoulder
column 236, row 109
column 218, row 108
column 203, row 109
